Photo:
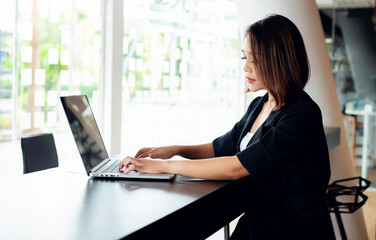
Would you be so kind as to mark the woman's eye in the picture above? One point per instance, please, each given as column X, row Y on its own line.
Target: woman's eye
column 243, row 58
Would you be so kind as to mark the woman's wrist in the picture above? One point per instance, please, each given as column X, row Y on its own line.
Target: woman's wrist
column 166, row 166
column 176, row 150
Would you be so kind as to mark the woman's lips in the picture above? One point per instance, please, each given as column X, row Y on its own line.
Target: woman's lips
column 250, row 80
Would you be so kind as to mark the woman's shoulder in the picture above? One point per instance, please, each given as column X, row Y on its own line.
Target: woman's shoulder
column 302, row 104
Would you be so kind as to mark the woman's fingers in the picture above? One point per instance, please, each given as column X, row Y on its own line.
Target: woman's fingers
column 150, row 152
column 144, row 155
column 143, row 152
column 142, row 165
column 126, row 162
column 157, row 152
column 122, row 164
column 131, row 167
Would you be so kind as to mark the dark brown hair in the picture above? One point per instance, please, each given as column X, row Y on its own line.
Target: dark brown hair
column 279, row 56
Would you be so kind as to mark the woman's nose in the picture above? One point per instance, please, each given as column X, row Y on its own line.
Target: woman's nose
column 246, row 67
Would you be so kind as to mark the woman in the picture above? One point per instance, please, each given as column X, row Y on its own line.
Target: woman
column 279, row 144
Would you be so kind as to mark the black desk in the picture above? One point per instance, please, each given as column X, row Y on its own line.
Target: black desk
column 58, row 205
column 54, row 204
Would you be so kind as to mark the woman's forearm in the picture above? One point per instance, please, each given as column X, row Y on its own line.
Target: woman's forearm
column 223, row 168
column 202, row 151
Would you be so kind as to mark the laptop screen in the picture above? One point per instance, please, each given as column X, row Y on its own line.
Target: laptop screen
column 85, row 130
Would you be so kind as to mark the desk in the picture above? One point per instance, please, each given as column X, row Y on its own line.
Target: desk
column 54, row 204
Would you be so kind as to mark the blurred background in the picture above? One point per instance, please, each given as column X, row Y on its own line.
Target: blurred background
column 181, row 72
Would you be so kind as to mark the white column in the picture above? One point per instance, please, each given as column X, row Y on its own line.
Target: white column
column 113, row 71
column 365, row 144
column 320, row 87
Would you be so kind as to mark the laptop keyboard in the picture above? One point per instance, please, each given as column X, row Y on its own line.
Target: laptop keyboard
column 112, row 168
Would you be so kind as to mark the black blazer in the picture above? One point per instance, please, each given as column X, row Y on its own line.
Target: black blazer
column 288, row 162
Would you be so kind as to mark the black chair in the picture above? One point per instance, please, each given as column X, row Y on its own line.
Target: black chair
column 39, row 152
column 353, row 198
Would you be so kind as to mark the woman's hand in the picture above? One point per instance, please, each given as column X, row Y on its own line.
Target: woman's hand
column 142, row 165
column 158, row 152
column 221, row 168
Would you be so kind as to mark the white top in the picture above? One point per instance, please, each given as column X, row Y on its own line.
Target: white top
column 245, row 140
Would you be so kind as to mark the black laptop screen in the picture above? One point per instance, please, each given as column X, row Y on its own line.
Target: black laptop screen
column 85, row 130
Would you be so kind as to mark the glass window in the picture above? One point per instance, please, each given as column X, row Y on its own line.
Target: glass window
column 59, row 53
column 7, row 26
column 181, row 72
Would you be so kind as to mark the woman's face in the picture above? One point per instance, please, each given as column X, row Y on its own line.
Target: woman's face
column 254, row 82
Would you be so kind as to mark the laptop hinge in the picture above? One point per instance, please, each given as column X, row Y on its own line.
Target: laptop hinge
column 101, row 164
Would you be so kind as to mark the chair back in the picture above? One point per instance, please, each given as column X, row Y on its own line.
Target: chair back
column 39, row 152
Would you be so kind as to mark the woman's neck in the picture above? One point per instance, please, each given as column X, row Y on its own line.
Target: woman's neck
column 271, row 99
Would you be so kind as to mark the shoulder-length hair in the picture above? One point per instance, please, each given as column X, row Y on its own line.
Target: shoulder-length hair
column 279, row 56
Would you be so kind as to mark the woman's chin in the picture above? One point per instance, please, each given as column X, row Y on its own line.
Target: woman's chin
column 252, row 88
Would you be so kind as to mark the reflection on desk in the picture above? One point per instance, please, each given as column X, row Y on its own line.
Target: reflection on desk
column 59, row 205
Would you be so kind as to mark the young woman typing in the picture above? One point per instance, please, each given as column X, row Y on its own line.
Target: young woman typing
column 279, row 144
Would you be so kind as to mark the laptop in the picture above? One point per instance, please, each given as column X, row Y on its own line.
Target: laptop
column 90, row 143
